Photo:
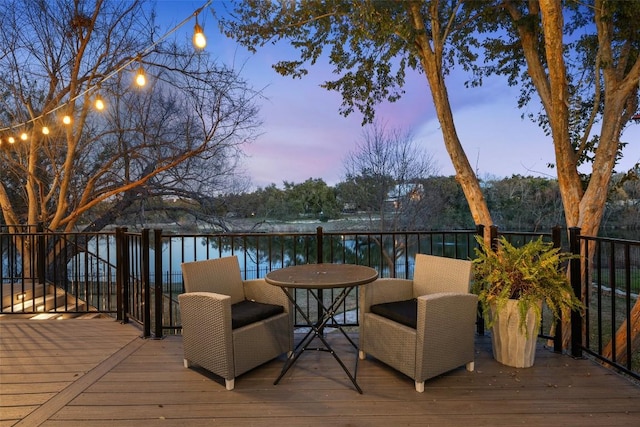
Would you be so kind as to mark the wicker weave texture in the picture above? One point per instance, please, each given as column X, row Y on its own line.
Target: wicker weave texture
column 205, row 310
column 221, row 275
column 444, row 344
column 260, row 342
column 389, row 342
column 434, row 274
column 444, row 337
column 259, row 290
column 206, row 332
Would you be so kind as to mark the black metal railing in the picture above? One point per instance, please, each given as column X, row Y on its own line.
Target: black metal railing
column 43, row 271
column 259, row 253
column 135, row 276
column 610, row 286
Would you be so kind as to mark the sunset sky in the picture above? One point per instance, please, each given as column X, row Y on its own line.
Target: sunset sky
column 304, row 136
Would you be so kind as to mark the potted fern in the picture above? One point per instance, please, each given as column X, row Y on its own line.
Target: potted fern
column 512, row 283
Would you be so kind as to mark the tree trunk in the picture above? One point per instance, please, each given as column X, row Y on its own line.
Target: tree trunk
column 583, row 208
column 621, row 338
column 431, row 60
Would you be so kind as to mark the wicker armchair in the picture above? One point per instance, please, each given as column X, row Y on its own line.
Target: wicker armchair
column 425, row 326
column 230, row 326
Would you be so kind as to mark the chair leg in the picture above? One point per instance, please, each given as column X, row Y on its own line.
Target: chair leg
column 186, row 363
column 362, row 355
column 230, row 384
column 420, row 386
column 470, row 366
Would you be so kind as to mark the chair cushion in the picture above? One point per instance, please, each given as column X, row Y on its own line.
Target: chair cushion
column 404, row 312
column 246, row 312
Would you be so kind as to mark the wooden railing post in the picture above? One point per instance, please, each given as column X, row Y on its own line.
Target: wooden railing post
column 122, row 285
column 320, row 259
column 556, row 237
column 576, row 284
column 480, row 317
column 159, row 296
column 146, row 288
column 41, row 255
column 120, row 275
column 319, row 245
column 493, row 233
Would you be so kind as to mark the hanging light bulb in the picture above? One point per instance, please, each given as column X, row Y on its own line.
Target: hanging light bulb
column 66, row 119
column 24, row 136
column 199, row 40
column 45, row 130
column 11, row 140
column 141, row 78
column 99, row 103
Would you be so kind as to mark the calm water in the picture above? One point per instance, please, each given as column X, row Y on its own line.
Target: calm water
column 185, row 250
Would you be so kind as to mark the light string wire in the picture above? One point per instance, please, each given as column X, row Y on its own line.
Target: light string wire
column 108, row 76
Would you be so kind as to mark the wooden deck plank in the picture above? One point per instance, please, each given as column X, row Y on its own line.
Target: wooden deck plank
column 365, row 420
column 100, row 373
column 48, row 358
column 303, row 410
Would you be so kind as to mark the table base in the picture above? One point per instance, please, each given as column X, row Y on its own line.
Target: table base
column 316, row 331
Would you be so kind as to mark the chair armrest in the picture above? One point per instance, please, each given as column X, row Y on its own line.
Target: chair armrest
column 205, row 307
column 261, row 291
column 384, row 290
column 206, row 331
column 217, row 299
column 446, row 311
column 445, row 333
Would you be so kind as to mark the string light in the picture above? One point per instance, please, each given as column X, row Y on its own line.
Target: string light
column 199, row 41
column 24, row 136
column 99, row 103
column 141, row 78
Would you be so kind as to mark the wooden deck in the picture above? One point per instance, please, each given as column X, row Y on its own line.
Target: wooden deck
column 98, row 372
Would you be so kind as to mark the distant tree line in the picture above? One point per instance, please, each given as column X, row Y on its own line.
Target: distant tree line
column 517, row 203
column 523, row 203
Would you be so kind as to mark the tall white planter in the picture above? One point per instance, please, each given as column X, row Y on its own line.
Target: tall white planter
column 511, row 345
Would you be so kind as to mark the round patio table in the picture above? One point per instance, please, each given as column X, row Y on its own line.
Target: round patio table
column 315, row 278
